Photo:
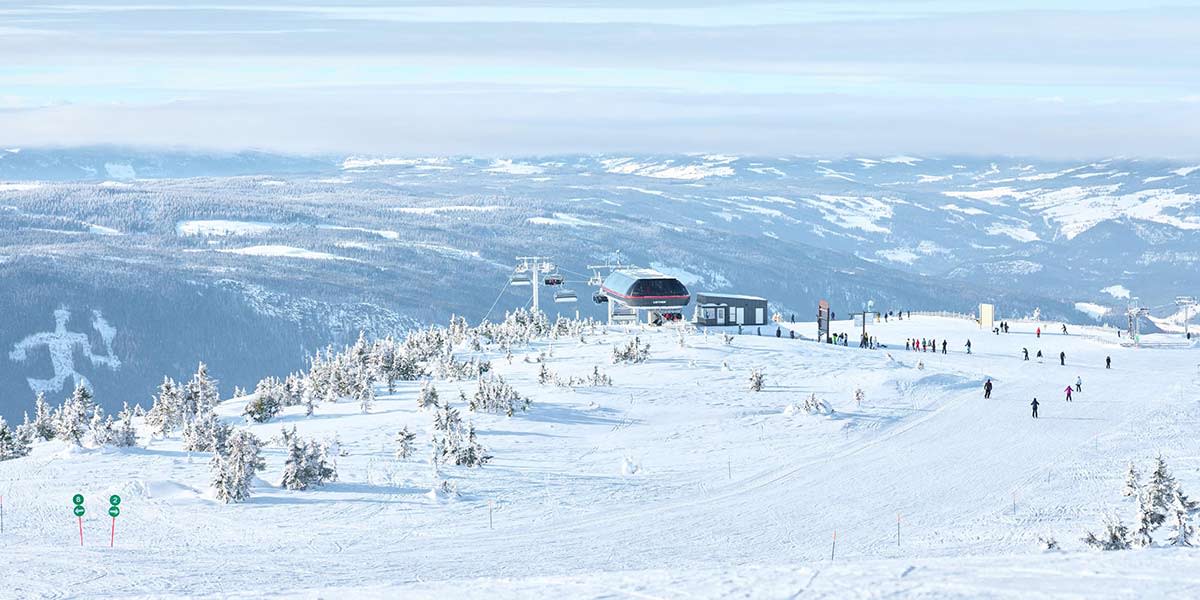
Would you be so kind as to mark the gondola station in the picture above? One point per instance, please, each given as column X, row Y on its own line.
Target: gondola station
column 729, row 309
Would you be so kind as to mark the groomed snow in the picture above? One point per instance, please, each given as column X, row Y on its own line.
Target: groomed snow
column 675, row 482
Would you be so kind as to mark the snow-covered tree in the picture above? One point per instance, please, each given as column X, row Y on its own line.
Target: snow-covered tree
column 598, row 379
column 163, row 416
column 13, row 443
column 816, row 406
column 545, row 375
column 1184, row 533
column 1114, row 537
column 308, row 463
column 125, row 434
column 43, row 422
column 364, row 391
column 428, row 396
column 859, row 397
column 201, row 392
column 101, row 427
column 756, row 380
column 472, row 453
column 405, row 440
column 1148, row 519
column 632, row 352
column 71, row 419
column 1133, row 483
column 269, row 396
column 206, row 433
column 233, row 471
column 494, row 395
column 295, row 477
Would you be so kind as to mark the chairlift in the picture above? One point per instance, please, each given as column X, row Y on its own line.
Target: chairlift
column 596, row 280
column 553, row 279
column 565, row 296
column 599, row 297
column 519, row 278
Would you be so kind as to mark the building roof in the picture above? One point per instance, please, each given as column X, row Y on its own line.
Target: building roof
column 730, row 296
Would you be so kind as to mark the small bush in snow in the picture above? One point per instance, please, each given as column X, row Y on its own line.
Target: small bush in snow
column 859, row 396
column 1114, row 537
column 405, row 443
column 728, row 339
column 494, row 395
column 1048, row 544
column 632, row 352
column 545, row 375
column 598, row 379
column 756, row 380
column 816, row 406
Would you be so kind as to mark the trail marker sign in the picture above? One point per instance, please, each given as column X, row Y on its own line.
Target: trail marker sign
column 113, row 511
column 77, row 499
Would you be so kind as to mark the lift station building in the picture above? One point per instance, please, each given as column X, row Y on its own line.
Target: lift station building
column 730, row 309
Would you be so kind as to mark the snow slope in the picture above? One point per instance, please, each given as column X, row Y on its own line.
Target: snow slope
column 731, row 495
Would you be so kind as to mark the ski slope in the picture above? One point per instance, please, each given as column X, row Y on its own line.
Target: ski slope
column 675, row 482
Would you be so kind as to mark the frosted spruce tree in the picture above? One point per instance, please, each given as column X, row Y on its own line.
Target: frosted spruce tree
column 71, row 419
column 43, row 421
column 1181, row 517
column 1133, row 483
column 125, row 434
column 428, row 396
column 13, row 443
column 405, row 443
column 233, row 471
column 100, row 427
column 202, row 391
column 364, row 391
column 163, row 416
column 1114, row 537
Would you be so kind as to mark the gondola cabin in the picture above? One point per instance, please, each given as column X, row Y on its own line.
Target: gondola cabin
column 645, row 288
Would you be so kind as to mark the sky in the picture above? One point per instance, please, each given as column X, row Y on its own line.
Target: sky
column 1055, row 78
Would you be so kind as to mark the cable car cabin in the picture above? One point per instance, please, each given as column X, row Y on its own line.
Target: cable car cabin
column 645, row 288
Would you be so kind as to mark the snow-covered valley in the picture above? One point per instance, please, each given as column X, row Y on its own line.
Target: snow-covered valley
column 675, row 481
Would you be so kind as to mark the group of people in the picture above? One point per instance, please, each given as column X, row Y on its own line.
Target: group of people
column 869, row 341
column 926, row 345
column 1070, row 391
column 1001, row 328
column 899, row 315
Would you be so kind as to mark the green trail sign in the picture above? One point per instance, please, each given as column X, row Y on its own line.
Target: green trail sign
column 79, row 511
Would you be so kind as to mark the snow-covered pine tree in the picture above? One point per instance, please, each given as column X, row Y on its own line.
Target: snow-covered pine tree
column 319, row 468
column 472, row 453
column 364, row 390
column 1160, row 486
column 1114, row 537
column 756, row 380
column 1181, row 517
column 12, row 443
column 1148, row 519
column 544, row 375
column 1133, row 483
column 43, row 422
column 125, row 434
column 234, row 470
column 100, row 427
column 294, row 475
column 859, row 397
column 163, row 415
column 428, row 396
column 598, row 379
column 71, row 420
column 405, row 441
column 202, row 391
column 268, row 400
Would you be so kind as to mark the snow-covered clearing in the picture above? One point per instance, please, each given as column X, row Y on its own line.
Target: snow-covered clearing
column 222, row 227
column 675, row 482
column 277, row 250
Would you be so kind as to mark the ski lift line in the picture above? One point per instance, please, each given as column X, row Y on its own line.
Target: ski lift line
column 497, row 300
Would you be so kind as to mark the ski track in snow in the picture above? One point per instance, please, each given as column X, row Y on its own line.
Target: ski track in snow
column 733, row 497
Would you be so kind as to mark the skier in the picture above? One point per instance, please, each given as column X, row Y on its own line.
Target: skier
column 1079, row 384
column 907, row 344
column 1068, row 390
column 1107, row 362
column 1034, row 404
column 1062, row 358
column 1064, row 329
column 987, row 389
column 968, row 346
column 943, row 346
column 1039, row 332
column 1026, row 351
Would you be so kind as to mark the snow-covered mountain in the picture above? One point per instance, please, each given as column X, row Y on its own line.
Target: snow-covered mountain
column 269, row 258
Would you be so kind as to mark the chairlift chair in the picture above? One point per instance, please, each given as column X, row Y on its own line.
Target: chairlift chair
column 519, row 278
column 553, row 279
column 599, row 297
column 565, row 296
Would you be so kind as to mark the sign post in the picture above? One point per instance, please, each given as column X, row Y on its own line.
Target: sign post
column 113, row 511
column 78, row 510
column 822, row 321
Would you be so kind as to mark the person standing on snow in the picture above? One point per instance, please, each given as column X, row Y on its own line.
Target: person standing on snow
column 968, row 346
column 1079, row 384
column 1062, row 359
column 1068, row 390
column 1107, row 362
column 943, row 346
column 1039, row 332
column 987, row 389
column 1026, row 351
column 1034, row 404
column 1064, row 329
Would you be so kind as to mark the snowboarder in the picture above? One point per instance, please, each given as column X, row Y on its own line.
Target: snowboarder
column 1062, row 358
column 1068, row 390
column 1079, row 384
column 987, row 389
column 1034, row 404
column 1107, row 362
column 968, row 346
column 1026, row 351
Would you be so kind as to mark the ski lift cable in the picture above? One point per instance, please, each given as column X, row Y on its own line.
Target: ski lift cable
column 498, row 296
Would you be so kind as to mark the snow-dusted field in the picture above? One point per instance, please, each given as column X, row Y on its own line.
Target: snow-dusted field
column 677, row 481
